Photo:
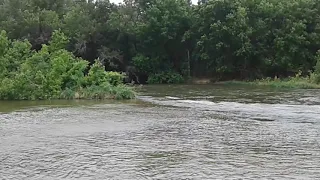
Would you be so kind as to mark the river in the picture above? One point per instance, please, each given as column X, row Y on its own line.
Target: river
column 170, row 132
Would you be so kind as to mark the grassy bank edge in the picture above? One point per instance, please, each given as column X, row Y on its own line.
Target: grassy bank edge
column 95, row 92
column 292, row 83
column 120, row 92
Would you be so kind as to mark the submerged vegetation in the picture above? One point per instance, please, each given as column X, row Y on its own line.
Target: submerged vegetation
column 157, row 41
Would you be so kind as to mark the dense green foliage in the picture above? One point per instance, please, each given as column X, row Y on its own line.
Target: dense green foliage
column 53, row 72
column 165, row 77
column 163, row 41
column 257, row 38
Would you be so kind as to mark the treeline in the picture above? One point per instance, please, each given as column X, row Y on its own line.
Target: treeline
column 167, row 41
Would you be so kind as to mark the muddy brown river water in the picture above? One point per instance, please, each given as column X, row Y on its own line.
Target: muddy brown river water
column 170, row 132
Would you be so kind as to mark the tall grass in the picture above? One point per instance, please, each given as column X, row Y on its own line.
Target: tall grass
column 298, row 82
column 106, row 91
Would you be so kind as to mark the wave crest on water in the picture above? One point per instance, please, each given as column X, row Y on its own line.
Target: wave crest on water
column 254, row 111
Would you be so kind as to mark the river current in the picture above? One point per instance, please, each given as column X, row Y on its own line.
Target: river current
column 170, row 132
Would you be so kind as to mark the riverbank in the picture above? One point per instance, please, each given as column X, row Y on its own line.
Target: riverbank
column 296, row 83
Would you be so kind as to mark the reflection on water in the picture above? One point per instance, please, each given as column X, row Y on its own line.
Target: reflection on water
column 9, row 106
column 171, row 132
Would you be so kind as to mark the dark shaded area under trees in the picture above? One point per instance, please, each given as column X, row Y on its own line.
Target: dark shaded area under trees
column 167, row 41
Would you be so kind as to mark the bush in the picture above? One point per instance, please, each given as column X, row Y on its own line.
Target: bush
column 53, row 73
column 97, row 75
column 115, row 78
column 103, row 91
column 123, row 92
column 165, row 78
column 315, row 76
column 143, row 64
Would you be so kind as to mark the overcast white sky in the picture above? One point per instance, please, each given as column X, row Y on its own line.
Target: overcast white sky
column 118, row 1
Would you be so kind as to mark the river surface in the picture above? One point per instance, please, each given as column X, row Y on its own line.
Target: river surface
column 170, row 132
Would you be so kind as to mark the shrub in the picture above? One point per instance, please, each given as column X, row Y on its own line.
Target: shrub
column 97, row 75
column 143, row 64
column 115, row 78
column 123, row 92
column 165, row 78
column 102, row 91
column 315, row 76
column 53, row 72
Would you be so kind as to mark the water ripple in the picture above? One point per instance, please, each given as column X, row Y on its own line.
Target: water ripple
column 175, row 139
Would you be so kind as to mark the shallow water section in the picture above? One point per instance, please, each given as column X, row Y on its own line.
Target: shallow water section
column 170, row 132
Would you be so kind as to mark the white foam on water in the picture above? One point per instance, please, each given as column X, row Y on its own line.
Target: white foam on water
column 247, row 110
column 174, row 98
